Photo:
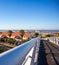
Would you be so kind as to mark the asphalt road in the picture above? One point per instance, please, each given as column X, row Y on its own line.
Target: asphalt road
column 48, row 53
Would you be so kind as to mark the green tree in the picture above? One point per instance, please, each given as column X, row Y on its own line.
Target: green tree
column 36, row 34
column 9, row 33
column 22, row 32
column 47, row 35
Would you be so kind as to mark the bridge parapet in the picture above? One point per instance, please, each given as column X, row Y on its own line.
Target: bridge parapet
column 20, row 55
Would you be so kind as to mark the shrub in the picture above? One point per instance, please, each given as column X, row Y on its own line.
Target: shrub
column 1, row 49
column 2, row 39
column 11, row 41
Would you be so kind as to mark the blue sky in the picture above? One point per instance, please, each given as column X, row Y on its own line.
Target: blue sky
column 29, row 14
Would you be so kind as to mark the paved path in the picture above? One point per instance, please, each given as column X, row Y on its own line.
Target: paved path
column 48, row 53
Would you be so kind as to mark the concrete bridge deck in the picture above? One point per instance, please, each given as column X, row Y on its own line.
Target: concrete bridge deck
column 48, row 53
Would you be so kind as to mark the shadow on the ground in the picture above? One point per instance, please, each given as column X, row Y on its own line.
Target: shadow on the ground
column 57, row 63
column 56, row 47
column 42, row 60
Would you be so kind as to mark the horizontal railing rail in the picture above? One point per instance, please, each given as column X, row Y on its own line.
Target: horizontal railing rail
column 54, row 40
column 17, row 55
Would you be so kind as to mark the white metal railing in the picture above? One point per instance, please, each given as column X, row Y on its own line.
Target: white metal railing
column 17, row 55
column 54, row 40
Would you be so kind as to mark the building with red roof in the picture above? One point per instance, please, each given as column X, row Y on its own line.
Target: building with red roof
column 4, row 34
column 15, row 35
column 26, row 36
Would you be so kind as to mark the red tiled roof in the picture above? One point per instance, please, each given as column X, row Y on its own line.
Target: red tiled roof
column 27, row 35
column 15, row 34
column 4, row 36
column 4, row 33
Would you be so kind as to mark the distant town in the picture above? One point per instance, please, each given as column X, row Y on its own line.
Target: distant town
column 10, row 39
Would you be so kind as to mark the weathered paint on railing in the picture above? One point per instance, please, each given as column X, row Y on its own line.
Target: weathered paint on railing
column 16, row 55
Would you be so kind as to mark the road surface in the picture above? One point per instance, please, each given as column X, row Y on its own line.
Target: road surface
column 48, row 53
